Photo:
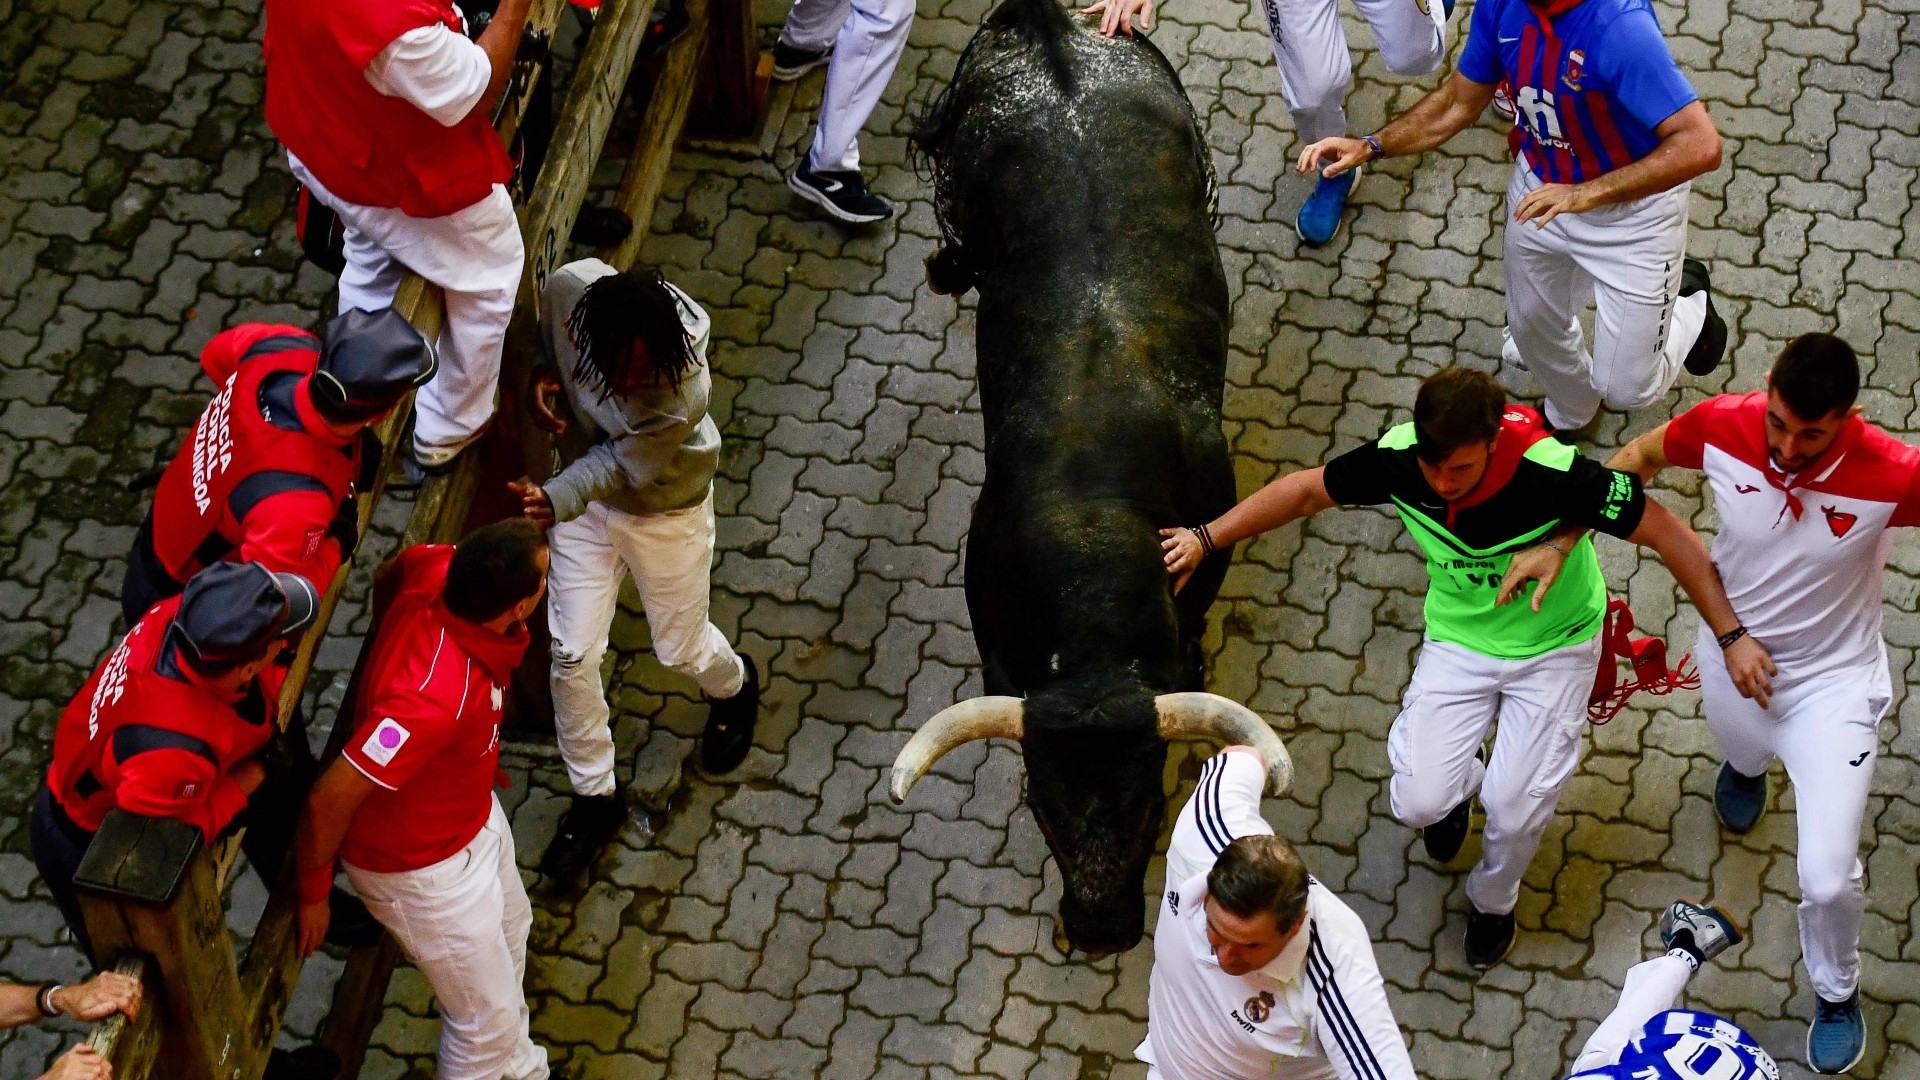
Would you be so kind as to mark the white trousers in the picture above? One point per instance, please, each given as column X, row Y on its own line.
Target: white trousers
column 475, row 256
column 1316, row 70
column 1826, row 731
column 670, row 556
column 868, row 37
column 463, row 922
column 1541, row 708
column 1653, row 986
column 1625, row 260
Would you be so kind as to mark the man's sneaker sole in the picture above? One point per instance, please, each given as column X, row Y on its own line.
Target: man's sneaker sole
column 819, row 198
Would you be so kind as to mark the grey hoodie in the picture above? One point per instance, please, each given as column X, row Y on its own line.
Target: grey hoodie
column 652, row 451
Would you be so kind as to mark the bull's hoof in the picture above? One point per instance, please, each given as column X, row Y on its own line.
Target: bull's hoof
column 948, row 274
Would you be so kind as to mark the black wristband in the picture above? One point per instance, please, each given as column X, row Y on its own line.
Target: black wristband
column 1206, row 540
column 1731, row 636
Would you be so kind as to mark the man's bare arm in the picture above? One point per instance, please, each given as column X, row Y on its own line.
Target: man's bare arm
column 1450, row 109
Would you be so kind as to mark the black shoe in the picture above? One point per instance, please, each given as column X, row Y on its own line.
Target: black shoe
column 729, row 733
column 1489, row 938
column 600, row 226
column 349, row 924
column 585, row 828
column 306, row 1063
column 842, row 194
column 1712, row 343
column 1739, row 799
column 1444, row 837
column 790, row 63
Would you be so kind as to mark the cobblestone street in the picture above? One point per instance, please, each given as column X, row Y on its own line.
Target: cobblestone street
column 789, row 921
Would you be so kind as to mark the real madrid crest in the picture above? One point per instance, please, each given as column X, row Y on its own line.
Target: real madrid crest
column 1258, row 1008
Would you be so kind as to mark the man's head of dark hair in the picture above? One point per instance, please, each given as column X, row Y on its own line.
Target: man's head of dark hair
column 617, row 312
column 1816, row 375
column 494, row 568
column 1257, row 874
column 1455, row 407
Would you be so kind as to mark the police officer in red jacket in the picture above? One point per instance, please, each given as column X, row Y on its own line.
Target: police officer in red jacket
column 173, row 724
column 267, row 473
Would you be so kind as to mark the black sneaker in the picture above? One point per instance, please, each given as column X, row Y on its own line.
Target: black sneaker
column 349, row 924
column 729, row 733
column 1444, row 837
column 1489, row 938
column 790, row 63
column 1712, row 343
column 409, row 472
column 585, row 828
column 1739, row 799
column 842, row 194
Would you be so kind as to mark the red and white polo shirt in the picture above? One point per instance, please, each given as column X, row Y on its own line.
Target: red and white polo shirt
column 428, row 730
column 1801, row 554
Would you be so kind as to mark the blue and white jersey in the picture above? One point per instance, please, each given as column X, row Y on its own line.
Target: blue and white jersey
column 1683, row 1045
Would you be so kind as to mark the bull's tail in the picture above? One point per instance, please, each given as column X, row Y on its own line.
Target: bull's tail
column 1045, row 23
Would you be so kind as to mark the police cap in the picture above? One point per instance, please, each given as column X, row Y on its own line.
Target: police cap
column 368, row 363
column 233, row 610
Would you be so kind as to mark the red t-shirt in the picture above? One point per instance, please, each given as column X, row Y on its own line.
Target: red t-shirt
column 428, row 732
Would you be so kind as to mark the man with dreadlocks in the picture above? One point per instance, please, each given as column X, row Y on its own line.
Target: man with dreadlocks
column 636, row 496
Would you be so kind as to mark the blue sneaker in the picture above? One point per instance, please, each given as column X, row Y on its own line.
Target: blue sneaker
column 1319, row 220
column 1837, row 1038
column 1739, row 799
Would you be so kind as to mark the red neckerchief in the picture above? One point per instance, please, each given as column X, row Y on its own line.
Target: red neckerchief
column 498, row 653
column 1520, row 428
column 1814, row 470
column 1551, row 10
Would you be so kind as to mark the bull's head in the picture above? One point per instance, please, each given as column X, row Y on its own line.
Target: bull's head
column 1095, row 788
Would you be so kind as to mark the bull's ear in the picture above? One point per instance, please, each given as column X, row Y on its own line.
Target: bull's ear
column 949, row 272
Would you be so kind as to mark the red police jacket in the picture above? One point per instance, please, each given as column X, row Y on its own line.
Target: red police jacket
column 153, row 743
column 366, row 147
column 244, row 488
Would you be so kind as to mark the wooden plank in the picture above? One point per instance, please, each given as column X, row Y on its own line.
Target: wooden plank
column 660, row 127
column 358, row 999
column 726, row 102
column 138, row 857
column 201, row 986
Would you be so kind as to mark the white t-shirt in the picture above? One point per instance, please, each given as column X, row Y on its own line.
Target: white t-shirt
column 1802, row 556
column 435, row 68
column 1322, row 993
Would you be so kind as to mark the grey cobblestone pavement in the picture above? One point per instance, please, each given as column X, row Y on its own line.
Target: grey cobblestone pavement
column 789, row 921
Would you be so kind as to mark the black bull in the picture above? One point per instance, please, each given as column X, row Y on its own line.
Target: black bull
column 1074, row 192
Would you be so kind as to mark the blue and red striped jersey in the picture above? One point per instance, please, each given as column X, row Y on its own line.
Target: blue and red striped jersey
column 1590, row 80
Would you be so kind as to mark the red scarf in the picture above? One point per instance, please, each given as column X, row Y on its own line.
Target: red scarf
column 1833, row 455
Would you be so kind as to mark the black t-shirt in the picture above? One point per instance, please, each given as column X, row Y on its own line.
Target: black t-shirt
column 1577, row 490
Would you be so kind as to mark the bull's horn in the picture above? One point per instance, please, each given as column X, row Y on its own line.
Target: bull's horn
column 1210, row 716
column 963, row 722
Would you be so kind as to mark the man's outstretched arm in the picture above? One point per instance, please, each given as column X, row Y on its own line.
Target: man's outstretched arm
column 1686, row 558
column 1293, row 496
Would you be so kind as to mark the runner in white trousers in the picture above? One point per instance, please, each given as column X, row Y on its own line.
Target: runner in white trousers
column 384, row 107
column 1806, row 491
column 1611, row 137
column 860, row 41
column 636, row 497
column 1316, row 72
